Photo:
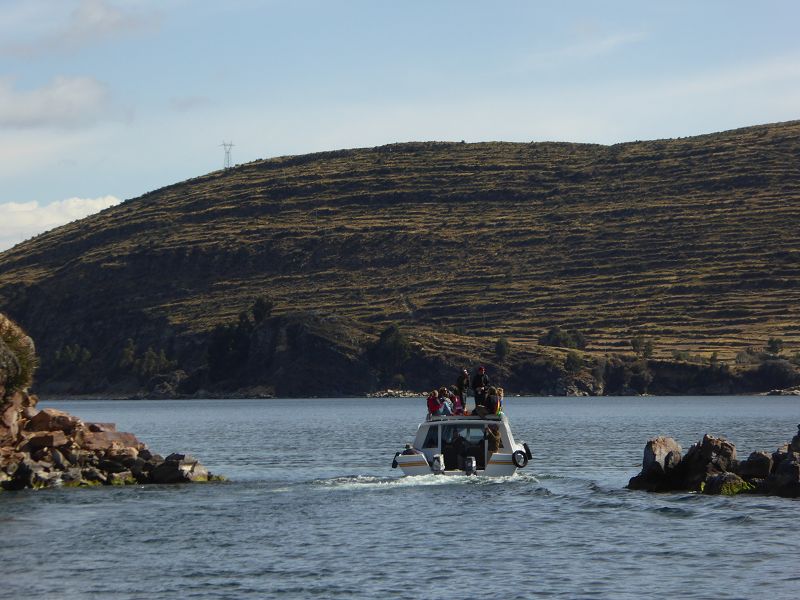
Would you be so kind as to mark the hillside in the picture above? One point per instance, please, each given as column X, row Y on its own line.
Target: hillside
column 690, row 242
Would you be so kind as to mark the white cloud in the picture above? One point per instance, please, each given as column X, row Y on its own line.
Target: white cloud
column 22, row 220
column 89, row 22
column 64, row 102
column 578, row 52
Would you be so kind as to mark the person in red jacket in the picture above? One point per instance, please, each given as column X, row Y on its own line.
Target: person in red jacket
column 436, row 405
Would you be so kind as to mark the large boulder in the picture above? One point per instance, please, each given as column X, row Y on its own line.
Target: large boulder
column 709, row 457
column 179, row 468
column 50, row 419
column 661, row 457
column 44, row 439
column 757, row 466
column 785, row 481
column 727, row 484
column 794, row 445
column 13, row 410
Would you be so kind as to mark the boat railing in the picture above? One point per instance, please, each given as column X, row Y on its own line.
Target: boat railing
column 431, row 417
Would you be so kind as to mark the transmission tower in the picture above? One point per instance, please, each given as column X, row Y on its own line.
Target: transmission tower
column 227, row 146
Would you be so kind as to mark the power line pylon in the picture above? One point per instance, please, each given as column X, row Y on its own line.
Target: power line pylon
column 227, row 146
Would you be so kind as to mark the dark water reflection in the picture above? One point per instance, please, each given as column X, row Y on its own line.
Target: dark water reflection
column 314, row 510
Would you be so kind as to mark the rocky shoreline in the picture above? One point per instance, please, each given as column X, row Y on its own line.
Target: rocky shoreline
column 45, row 448
column 710, row 467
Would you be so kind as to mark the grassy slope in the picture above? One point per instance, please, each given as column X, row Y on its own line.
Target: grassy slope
column 691, row 241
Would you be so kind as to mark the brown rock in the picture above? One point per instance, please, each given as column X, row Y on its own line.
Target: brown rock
column 98, row 427
column 44, row 439
column 660, row 455
column 51, row 419
column 95, row 441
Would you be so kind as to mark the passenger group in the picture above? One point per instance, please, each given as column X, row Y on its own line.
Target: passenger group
column 453, row 400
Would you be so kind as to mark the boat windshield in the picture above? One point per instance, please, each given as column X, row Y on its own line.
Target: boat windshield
column 472, row 434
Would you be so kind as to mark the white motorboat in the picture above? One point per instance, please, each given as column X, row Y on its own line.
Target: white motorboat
column 464, row 445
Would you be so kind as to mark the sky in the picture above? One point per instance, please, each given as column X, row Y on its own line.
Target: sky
column 105, row 100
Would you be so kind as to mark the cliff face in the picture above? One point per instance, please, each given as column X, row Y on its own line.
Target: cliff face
column 688, row 242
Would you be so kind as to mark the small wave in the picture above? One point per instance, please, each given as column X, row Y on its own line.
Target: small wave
column 747, row 519
column 673, row 511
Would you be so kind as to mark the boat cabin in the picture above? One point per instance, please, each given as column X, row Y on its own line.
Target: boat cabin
column 457, row 445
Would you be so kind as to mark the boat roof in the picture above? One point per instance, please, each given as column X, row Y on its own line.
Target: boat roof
column 461, row 418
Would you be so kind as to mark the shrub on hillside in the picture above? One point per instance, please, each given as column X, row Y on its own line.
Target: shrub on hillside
column 562, row 338
column 774, row 345
column 573, row 363
column 18, row 360
column 502, row 349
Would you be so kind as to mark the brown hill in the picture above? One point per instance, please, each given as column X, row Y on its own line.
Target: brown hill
column 691, row 242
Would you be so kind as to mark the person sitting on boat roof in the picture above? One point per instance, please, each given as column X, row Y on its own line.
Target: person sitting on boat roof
column 492, row 402
column 449, row 398
column 437, row 406
column 479, row 384
column 455, row 398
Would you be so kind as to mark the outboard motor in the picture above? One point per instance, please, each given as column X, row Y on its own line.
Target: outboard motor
column 470, row 465
column 438, row 464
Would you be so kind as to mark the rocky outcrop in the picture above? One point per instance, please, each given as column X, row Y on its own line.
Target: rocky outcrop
column 710, row 466
column 50, row 447
column 42, row 448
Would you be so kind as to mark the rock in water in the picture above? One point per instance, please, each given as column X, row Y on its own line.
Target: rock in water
column 757, row 466
column 661, row 457
column 727, row 484
column 709, row 457
column 710, row 466
column 179, row 468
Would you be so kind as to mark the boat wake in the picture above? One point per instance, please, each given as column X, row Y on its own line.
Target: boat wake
column 411, row 481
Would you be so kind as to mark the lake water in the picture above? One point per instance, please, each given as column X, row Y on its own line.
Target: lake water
column 313, row 509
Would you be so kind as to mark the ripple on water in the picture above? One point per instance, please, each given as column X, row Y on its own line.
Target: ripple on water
column 674, row 512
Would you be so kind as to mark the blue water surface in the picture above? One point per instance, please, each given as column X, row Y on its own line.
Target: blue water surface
column 314, row 510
